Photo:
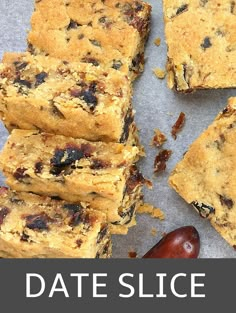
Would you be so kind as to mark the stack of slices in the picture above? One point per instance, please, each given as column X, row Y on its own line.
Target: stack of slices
column 70, row 159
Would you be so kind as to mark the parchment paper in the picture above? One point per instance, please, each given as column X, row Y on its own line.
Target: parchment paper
column 156, row 107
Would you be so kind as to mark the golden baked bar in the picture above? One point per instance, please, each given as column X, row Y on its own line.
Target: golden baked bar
column 103, row 175
column 201, row 40
column 206, row 176
column 39, row 227
column 72, row 99
column 110, row 34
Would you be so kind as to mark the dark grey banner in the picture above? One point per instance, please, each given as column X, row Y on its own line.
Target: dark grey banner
column 114, row 285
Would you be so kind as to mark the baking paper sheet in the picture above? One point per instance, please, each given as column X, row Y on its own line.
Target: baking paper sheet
column 156, row 107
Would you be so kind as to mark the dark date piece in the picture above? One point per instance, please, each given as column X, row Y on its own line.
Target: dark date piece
column 206, row 43
column 90, row 60
column 160, row 161
column 40, row 78
column 79, row 218
column 182, row 9
column 135, row 179
column 225, row 201
column 73, row 25
column 20, row 174
column 3, row 213
column 69, row 155
column 98, row 164
column 38, row 167
column 88, row 95
column 73, row 208
column 20, row 65
column 132, row 254
column 38, row 221
column 23, row 82
column 24, row 237
column 177, row 127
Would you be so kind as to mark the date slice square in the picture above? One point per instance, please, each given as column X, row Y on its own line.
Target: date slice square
column 201, row 44
column 76, row 100
column 101, row 174
column 33, row 226
column 104, row 33
column 206, row 177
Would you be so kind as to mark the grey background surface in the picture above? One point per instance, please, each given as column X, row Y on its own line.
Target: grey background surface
column 156, row 107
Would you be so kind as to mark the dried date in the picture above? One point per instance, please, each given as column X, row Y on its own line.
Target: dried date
column 20, row 65
column 206, row 43
column 182, row 9
column 38, row 167
column 20, row 174
column 68, row 156
column 40, row 78
column 3, row 213
column 99, row 164
column 135, row 179
column 182, row 243
column 177, row 127
column 73, row 208
column 23, row 82
column 73, row 25
column 225, row 201
column 87, row 94
column 160, row 161
column 38, row 221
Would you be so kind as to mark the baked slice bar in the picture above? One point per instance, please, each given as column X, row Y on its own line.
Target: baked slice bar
column 72, row 99
column 201, row 39
column 110, row 34
column 206, row 176
column 103, row 175
column 39, row 227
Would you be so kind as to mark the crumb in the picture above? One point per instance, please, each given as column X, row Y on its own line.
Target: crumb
column 147, row 208
column 160, row 161
column 157, row 41
column 157, row 213
column 132, row 255
column 142, row 151
column 158, row 139
column 161, row 74
column 153, row 232
column 178, row 125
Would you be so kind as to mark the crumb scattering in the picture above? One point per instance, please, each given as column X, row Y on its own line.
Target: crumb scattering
column 178, row 125
column 153, row 232
column 132, row 254
column 160, row 161
column 147, row 208
column 161, row 74
column 157, row 41
column 158, row 139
